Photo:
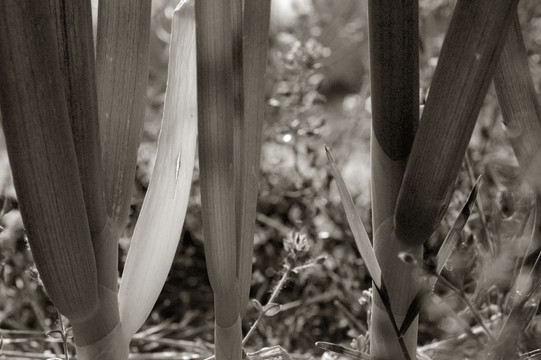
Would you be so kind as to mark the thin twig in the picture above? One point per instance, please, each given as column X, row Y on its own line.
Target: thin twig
column 273, row 297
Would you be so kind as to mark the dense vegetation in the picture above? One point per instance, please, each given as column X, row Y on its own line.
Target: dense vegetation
column 317, row 93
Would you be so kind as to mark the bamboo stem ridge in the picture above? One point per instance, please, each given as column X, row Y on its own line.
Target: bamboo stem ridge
column 465, row 68
column 216, row 126
column 394, row 63
column 28, row 56
column 122, row 58
column 36, row 119
column 76, row 59
column 519, row 104
column 216, row 147
column 256, row 31
column 231, row 64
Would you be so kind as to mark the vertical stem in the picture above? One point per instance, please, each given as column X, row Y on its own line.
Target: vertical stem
column 122, row 57
column 76, row 59
column 394, row 63
column 256, row 30
column 238, row 106
column 217, row 119
column 465, row 68
column 43, row 157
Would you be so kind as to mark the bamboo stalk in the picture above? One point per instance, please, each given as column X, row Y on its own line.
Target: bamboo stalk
column 121, row 73
column 43, row 158
column 519, row 104
column 122, row 57
column 110, row 347
column 466, row 65
column 256, row 30
column 76, row 59
column 238, row 106
column 394, row 62
column 216, row 124
column 159, row 226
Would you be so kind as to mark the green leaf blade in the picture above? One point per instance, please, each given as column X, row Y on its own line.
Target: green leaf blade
column 356, row 225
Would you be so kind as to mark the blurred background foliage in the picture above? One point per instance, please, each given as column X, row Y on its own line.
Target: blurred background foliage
column 318, row 92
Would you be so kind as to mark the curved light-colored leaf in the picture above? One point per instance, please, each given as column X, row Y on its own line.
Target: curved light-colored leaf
column 160, row 223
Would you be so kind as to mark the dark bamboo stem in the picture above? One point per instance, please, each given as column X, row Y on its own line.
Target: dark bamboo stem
column 394, row 70
column 122, row 58
column 256, row 31
column 465, row 68
column 43, row 158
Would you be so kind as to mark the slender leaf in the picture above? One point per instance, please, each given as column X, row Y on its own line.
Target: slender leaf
column 414, row 309
column 530, row 230
column 453, row 237
column 256, row 29
column 159, row 226
column 43, row 159
column 447, row 247
column 76, row 59
column 394, row 92
column 237, row 85
column 356, row 225
column 122, row 56
column 217, row 121
column 466, row 65
column 518, row 101
column 216, row 117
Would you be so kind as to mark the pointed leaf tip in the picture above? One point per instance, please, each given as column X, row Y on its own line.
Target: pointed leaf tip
column 356, row 225
column 466, row 210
